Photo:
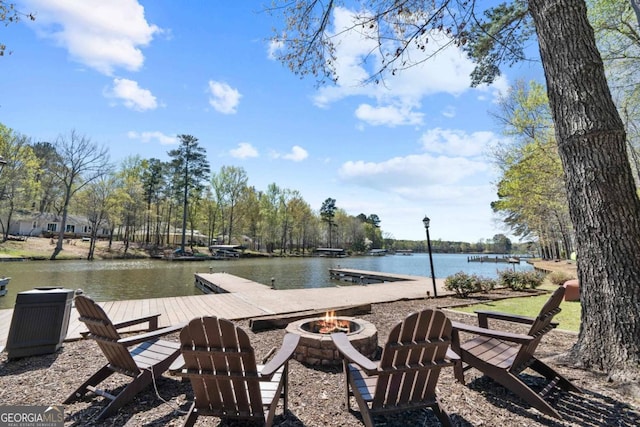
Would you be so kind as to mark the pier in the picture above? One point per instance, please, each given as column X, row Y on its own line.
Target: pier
column 495, row 259
column 237, row 299
column 362, row 277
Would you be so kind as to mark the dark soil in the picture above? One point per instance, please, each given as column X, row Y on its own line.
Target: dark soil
column 316, row 396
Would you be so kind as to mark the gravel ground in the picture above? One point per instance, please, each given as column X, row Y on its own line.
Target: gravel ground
column 316, row 395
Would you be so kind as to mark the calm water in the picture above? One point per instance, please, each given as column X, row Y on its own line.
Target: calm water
column 133, row 279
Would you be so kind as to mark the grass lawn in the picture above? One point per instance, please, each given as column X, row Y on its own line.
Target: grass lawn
column 568, row 318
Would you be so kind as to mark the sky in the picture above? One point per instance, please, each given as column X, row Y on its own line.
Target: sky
column 132, row 75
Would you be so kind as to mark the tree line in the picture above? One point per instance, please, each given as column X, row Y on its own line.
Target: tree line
column 148, row 201
column 499, row 244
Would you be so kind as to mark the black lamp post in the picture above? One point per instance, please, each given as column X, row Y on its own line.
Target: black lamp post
column 426, row 222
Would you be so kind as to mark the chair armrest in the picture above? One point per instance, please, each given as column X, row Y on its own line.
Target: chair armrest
column 137, row 339
column 452, row 355
column 152, row 319
column 492, row 333
column 347, row 349
column 289, row 344
column 266, row 358
column 177, row 365
column 483, row 317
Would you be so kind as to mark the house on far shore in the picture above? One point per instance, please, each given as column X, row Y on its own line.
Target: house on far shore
column 48, row 224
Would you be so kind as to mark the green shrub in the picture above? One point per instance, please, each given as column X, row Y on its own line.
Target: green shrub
column 487, row 284
column 463, row 284
column 519, row 280
column 559, row 277
column 460, row 283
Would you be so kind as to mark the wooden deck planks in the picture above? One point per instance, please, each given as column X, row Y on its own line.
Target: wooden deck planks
column 246, row 299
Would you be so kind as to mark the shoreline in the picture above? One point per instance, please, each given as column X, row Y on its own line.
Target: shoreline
column 565, row 266
column 41, row 248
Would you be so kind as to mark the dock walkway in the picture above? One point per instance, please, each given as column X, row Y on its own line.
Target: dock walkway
column 244, row 299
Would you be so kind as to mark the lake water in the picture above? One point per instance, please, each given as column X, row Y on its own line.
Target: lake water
column 134, row 279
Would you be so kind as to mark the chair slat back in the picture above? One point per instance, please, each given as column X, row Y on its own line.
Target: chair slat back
column 412, row 359
column 539, row 328
column 221, row 365
column 106, row 335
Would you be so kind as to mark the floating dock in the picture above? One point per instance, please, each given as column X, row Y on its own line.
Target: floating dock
column 494, row 259
column 362, row 277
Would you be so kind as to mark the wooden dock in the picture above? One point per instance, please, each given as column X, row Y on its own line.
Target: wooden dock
column 362, row 277
column 244, row 299
column 494, row 259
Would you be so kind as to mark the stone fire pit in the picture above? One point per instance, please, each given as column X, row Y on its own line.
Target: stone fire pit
column 317, row 348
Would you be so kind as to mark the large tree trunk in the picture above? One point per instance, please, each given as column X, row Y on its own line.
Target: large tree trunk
column 605, row 209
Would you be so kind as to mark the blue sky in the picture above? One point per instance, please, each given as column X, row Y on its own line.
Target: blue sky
column 132, row 75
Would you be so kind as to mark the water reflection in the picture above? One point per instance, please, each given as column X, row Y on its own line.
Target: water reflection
column 134, row 279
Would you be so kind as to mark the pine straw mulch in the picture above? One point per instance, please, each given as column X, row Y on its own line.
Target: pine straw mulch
column 316, row 394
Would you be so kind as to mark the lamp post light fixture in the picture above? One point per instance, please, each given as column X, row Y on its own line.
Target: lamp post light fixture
column 426, row 222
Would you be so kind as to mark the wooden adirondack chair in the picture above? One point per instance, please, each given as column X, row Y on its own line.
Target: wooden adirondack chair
column 503, row 356
column 147, row 360
column 226, row 381
column 408, row 371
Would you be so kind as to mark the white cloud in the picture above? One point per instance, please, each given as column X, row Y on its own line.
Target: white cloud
column 457, row 142
column 297, row 154
column 147, row 137
column 223, row 97
column 103, row 35
column 243, row 151
column 453, row 191
column 410, row 173
column 400, row 95
column 442, row 182
column 498, row 88
column 390, row 115
column 132, row 95
column 274, row 47
column 447, row 71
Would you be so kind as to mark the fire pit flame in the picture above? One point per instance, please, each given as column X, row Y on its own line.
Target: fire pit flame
column 330, row 324
column 333, row 324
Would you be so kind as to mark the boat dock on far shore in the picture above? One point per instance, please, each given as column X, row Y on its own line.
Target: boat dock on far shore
column 4, row 281
column 495, row 259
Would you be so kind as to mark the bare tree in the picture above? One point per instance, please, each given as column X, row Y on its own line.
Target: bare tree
column 10, row 15
column 80, row 162
column 96, row 202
